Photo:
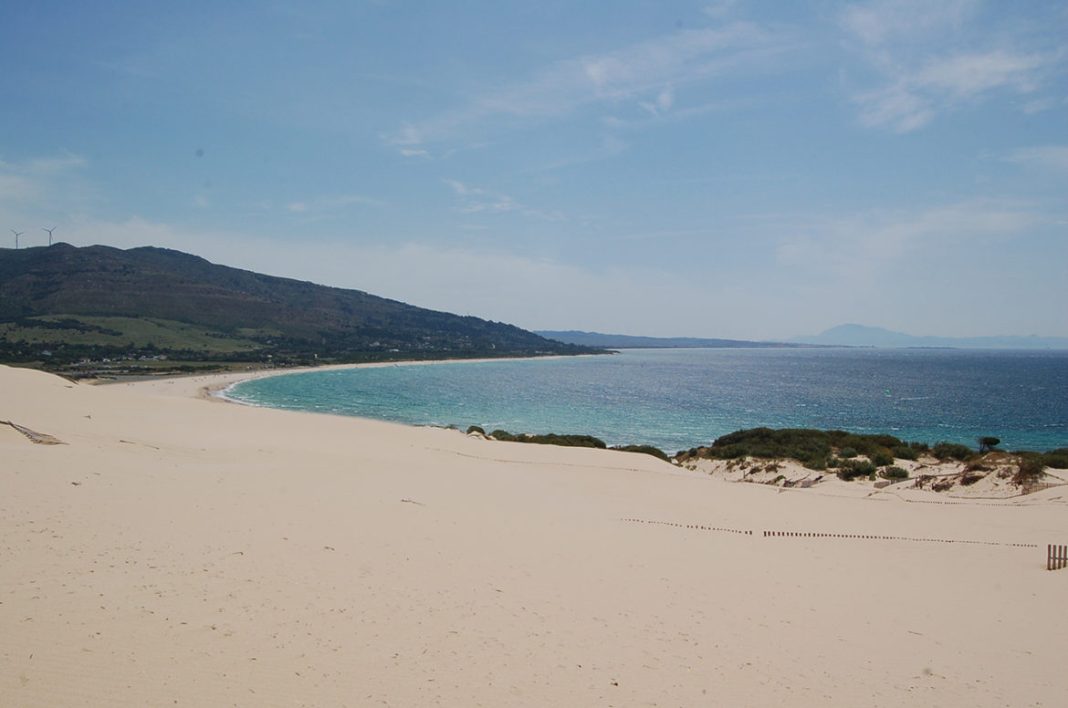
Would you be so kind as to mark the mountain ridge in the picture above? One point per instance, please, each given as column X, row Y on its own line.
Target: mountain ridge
column 87, row 301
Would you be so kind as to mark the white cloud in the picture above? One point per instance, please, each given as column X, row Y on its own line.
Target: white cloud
column 663, row 103
column 720, row 8
column 876, row 23
column 331, row 202
column 1053, row 157
column 856, row 248
column 913, row 99
column 462, row 189
column 55, row 165
column 476, row 200
column 967, row 75
column 644, row 72
column 897, row 106
column 41, row 187
column 932, row 61
column 16, row 188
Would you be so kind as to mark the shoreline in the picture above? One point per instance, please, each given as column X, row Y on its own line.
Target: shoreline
column 226, row 381
column 216, row 555
column 782, row 473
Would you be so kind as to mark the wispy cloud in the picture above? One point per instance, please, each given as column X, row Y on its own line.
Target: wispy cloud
column 332, row 202
column 476, row 200
column 913, row 99
column 35, row 182
column 720, row 8
column 15, row 187
column 905, row 42
column 1053, row 157
column 56, row 164
column 883, row 21
column 855, row 248
column 647, row 74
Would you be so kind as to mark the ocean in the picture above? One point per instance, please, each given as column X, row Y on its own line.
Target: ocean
column 676, row 399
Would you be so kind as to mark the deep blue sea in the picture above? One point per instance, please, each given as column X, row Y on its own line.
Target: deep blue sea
column 680, row 398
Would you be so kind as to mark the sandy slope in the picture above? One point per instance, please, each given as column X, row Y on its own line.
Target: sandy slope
column 183, row 552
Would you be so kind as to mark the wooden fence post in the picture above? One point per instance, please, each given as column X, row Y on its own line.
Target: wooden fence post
column 1056, row 557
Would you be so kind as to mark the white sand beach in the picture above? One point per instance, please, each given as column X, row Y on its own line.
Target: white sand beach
column 182, row 551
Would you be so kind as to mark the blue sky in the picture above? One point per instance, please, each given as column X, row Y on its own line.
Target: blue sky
column 724, row 169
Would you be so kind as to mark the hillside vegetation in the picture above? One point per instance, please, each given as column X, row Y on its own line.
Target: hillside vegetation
column 61, row 307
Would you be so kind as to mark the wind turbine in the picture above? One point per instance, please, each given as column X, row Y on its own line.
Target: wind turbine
column 49, row 233
column 17, row 234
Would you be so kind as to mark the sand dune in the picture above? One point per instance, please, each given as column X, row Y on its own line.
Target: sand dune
column 175, row 551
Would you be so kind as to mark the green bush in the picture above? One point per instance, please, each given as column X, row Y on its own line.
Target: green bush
column 551, row 439
column 882, row 458
column 851, row 469
column 951, row 451
column 905, row 452
column 475, row 429
column 1057, row 459
column 894, row 473
column 644, row 449
column 812, row 448
column 1030, row 472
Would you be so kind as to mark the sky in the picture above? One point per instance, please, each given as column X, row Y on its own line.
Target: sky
column 745, row 169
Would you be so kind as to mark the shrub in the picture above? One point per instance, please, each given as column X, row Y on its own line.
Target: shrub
column 550, row 439
column 851, row 469
column 847, row 453
column 1030, row 472
column 1057, row 459
column 894, row 473
column 951, row 451
column 805, row 446
column 644, row 449
column 475, row 429
column 882, row 458
column 905, row 452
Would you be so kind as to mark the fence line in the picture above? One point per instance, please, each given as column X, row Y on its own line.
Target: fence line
column 1056, row 557
column 851, row 536
column 698, row 527
column 875, row 537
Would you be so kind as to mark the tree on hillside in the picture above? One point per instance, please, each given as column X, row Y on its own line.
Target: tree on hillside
column 987, row 443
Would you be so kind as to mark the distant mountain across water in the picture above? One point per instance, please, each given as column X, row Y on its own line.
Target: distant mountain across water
column 626, row 341
column 856, row 335
column 846, row 335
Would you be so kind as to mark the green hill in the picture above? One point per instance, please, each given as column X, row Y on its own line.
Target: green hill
column 60, row 305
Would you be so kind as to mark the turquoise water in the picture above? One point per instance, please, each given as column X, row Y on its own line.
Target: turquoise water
column 680, row 398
